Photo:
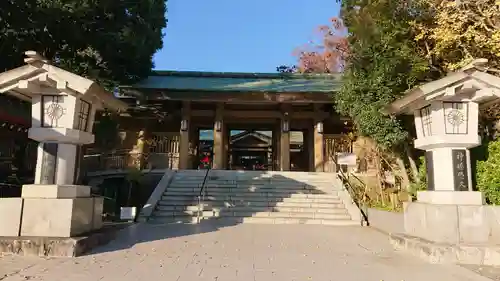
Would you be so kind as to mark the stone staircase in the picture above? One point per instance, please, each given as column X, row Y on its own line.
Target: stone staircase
column 257, row 197
column 179, row 202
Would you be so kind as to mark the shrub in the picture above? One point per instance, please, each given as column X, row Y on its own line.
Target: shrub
column 488, row 174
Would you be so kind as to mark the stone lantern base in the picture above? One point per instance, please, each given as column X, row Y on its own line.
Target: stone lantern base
column 51, row 211
column 456, row 233
column 451, row 197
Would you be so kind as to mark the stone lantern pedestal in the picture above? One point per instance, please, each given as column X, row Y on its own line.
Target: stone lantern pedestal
column 450, row 222
column 63, row 110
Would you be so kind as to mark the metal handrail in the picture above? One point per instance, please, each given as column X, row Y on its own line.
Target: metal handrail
column 358, row 179
column 201, row 195
column 345, row 182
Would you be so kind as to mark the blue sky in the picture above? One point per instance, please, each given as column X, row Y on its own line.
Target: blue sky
column 237, row 35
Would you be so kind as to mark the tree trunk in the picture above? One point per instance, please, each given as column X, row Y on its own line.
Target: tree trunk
column 380, row 181
column 413, row 165
column 405, row 180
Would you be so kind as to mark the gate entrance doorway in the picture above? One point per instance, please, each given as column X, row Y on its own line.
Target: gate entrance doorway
column 250, row 150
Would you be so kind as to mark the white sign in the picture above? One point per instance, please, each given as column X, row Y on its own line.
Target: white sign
column 127, row 213
column 389, row 177
column 348, row 159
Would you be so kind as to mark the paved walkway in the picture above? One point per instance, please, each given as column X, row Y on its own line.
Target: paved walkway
column 238, row 253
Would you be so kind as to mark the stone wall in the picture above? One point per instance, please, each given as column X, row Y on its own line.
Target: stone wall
column 388, row 222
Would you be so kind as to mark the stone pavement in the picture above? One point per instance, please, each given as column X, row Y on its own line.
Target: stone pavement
column 238, row 253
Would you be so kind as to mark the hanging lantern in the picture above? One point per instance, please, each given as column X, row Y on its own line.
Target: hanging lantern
column 184, row 125
column 218, row 126
column 319, row 127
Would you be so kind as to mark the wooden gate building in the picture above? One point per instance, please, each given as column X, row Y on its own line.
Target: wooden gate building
column 170, row 109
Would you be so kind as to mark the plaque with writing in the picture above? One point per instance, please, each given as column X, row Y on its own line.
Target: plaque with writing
column 460, row 170
column 49, row 160
column 429, row 166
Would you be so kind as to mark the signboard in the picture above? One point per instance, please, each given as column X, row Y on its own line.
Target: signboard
column 429, row 166
column 460, row 170
column 127, row 213
column 344, row 158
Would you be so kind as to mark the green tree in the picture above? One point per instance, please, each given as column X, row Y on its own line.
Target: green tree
column 110, row 41
column 454, row 33
column 382, row 65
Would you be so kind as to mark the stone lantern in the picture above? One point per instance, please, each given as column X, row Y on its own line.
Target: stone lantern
column 446, row 121
column 450, row 212
column 63, row 111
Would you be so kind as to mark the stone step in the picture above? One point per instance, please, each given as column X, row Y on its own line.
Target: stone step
column 171, row 220
column 194, row 208
column 272, row 190
column 298, row 205
column 179, row 198
column 176, row 208
column 273, row 181
column 212, row 204
column 231, row 213
column 272, row 186
column 178, row 178
column 250, row 198
column 272, row 199
column 193, row 202
column 258, row 220
column 250, row 194
column 175, row 189
column 196, row 184
column 174, row 186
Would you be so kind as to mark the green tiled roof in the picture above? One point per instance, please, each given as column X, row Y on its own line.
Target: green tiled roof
column 240, row 82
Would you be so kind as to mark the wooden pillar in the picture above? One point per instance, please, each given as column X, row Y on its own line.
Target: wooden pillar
column 193, row 146
column 184, row 136
column 319, row 155
column 219, row 142
column 225, row 152
column 285, row 143
column 276, row 148
column 269, row 160
column 309, row 148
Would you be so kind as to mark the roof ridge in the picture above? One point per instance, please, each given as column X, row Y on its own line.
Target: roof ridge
column 246, row 74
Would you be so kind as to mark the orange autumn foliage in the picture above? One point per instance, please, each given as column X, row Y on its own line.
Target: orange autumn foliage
column 327, row 54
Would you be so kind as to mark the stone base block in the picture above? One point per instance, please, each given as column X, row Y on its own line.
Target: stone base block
column 63, row 217
column 451, row 197
column 55, row 191
column 455, row 224
column 58, row 247
column 10, row 216
column 447, row 253
column 98, row 210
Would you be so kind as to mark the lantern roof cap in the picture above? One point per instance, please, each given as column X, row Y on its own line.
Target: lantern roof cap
column 38, row 77
column 472, row 81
